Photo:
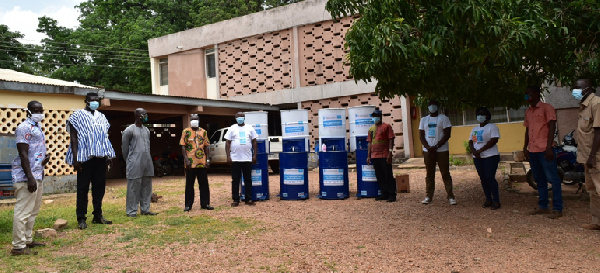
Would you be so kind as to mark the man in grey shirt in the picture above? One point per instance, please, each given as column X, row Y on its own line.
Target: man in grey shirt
column 140, row 169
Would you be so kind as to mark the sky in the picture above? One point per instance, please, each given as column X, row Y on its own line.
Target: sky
column 22, row 16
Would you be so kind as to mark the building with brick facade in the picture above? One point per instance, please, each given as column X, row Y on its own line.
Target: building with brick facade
column 292, row 57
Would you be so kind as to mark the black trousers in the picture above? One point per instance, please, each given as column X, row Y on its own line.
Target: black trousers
column 94, row 173
column 191, row 174
column 237, row 170
column 385, row 177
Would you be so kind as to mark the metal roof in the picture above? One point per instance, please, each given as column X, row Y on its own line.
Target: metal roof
column 14, row 76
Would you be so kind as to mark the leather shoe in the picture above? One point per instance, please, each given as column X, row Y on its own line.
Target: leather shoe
column 101, row 220
column 487, row 204
column 250, row 203
column 131, row 215
column 149, row 213
column 208, row 207
column 82, row 224
column 187, row 209
column 235, row 204
column 22, row 251
column 35, row 244
column 495, row 206
column 591, row 226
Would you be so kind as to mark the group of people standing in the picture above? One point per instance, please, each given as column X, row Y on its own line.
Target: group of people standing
column 91, row 152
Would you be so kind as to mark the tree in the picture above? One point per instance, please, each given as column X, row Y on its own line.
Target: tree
column 13, row 54
column 110, row 47
column 467, row 53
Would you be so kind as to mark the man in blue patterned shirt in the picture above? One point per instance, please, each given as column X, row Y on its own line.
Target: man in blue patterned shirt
column 27, row 175
column 89, row 153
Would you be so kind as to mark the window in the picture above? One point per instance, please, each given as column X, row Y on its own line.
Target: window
column 211, row 68
column 163, row 68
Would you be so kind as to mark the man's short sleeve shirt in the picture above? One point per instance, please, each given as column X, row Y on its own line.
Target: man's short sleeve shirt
column 434, row 130
column 30, row 133
column 195, row 143
column 241, row 142
column 92, row 133
column 588, row 119
column 380, row 137
column 536, row 121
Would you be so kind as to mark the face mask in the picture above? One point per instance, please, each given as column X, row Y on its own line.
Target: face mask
column 240, row 120
column 527, row 98
column 37, row 117
column 194, row 123
column 376, row 119
column 432, row 108
column 577, row 94
column 144, row 119
column 481, row 118
column 94, row 105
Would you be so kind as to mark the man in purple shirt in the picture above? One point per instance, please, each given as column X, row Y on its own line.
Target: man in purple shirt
column 27, row 175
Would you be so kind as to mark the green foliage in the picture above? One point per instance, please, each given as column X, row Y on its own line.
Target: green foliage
column 472, row 52
column 460, row 161
column 13, row 54
column 467, row 147
column 110, row 47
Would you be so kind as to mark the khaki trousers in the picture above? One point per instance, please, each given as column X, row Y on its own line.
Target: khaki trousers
column 442, row 159
column 26, row 209
column 592, row 179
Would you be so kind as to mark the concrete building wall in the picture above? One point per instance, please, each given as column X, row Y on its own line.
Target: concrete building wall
column 256, row 64
column 187, row 76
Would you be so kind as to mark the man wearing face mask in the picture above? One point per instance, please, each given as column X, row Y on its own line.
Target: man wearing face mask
column 27, row 174
column 90, row 152
column 434, row 133
column 540, row 120
column 194, row 145
column 587, row 136
column 241, row 150
column 135, row 145
column 381, row 144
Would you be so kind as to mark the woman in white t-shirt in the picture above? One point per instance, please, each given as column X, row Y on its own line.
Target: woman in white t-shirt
column 483, row 142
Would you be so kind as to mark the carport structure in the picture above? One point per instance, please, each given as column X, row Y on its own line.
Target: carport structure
column 167, row 115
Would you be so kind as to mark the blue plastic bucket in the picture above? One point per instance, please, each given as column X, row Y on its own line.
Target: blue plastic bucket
column 293, row 171
column 333, row 175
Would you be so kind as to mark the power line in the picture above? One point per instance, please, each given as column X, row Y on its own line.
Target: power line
column 53, row 42
column 138, row 60
column 80, row 49
column 86, row 64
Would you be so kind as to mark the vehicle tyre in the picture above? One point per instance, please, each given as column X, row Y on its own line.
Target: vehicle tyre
column 167, row 168
column 533, row 184
column 274, row 164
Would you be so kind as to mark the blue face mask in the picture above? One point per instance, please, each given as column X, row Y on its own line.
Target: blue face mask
column 94, row 105
column 376, row 120
column 432, row 108
column 481, row 118
column 144, row 118
column 577, row 94
column 240, row 120
column 527, row 98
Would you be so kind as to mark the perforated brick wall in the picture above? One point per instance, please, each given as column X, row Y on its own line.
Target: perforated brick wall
column 57, row 139
column 321, row 51
column 392, row 114
column 256, row 64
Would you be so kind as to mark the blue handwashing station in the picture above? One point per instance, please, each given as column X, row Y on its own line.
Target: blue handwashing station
column 293, row 160
column 333, row 156
column 360, row 122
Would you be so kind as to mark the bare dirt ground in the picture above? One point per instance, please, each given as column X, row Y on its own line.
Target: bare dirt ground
column 372, row 236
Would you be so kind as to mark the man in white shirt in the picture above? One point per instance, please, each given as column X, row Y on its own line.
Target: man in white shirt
column 434, row 132
column 241, row 150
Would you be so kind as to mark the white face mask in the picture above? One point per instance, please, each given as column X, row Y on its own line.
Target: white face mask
column 194, row 123
column 37, row 117
column 481, row 118
column 432, row 108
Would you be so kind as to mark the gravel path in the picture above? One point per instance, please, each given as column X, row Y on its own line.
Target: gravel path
column 374, row 236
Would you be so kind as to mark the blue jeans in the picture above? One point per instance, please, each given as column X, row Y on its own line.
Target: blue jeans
column 486, row 168
column 545, row 171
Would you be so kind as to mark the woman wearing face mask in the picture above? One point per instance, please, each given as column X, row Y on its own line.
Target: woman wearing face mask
column 483, row 143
